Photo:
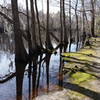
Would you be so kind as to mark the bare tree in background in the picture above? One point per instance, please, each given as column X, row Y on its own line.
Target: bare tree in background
column 70, row 27
column 93, row 17
column 77, row 24
column 83, row 26
column 65, row 28
column 48, row 45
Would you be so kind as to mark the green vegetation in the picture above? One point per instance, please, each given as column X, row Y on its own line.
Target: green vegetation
column 82, row 59
column 79, row 69
column 80, row 77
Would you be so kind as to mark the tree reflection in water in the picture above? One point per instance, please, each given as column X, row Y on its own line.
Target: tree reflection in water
column 24, row 83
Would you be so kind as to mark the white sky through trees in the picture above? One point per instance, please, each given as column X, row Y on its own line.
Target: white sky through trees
column 21, row 3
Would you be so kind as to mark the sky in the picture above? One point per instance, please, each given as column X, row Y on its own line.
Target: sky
column 53, row 9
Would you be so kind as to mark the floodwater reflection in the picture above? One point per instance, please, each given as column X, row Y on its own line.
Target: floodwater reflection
column 8, row 90
column 18, row 87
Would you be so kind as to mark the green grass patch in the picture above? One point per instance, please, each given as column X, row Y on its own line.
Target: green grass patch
column 86, row 51
column 82, row 55
column 70, row 54
column 80, row 77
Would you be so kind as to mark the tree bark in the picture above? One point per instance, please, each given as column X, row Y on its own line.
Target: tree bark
column 77, row 26
column 83, row 27
column 20, row 52
column 38, row 21
column 70, row 27
column 93, row 18
column 34, row 44
column 64, row 28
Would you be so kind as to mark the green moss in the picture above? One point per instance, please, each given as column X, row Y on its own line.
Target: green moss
column 86, row 51
column 85, row 57
column 80, row 77
column 83, row 54
column 70, row 54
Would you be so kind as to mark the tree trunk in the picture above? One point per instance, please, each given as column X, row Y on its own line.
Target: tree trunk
column 38, row 21
column 48, row 46
column 93, row 18
column 77, row 26
column 20, row 52
column 70, row 27
column 61, row 41
column 34, row 47
column 34, row 44
column 30, row 49
column 64, row 26
column 83, row 27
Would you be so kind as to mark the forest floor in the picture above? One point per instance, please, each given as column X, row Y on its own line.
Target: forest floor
column 84, row 77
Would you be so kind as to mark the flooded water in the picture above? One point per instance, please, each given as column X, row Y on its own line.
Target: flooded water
column 7, row 65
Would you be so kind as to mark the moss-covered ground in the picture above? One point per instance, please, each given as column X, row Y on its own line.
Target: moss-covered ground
column 83, row 68
column 81, row 75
